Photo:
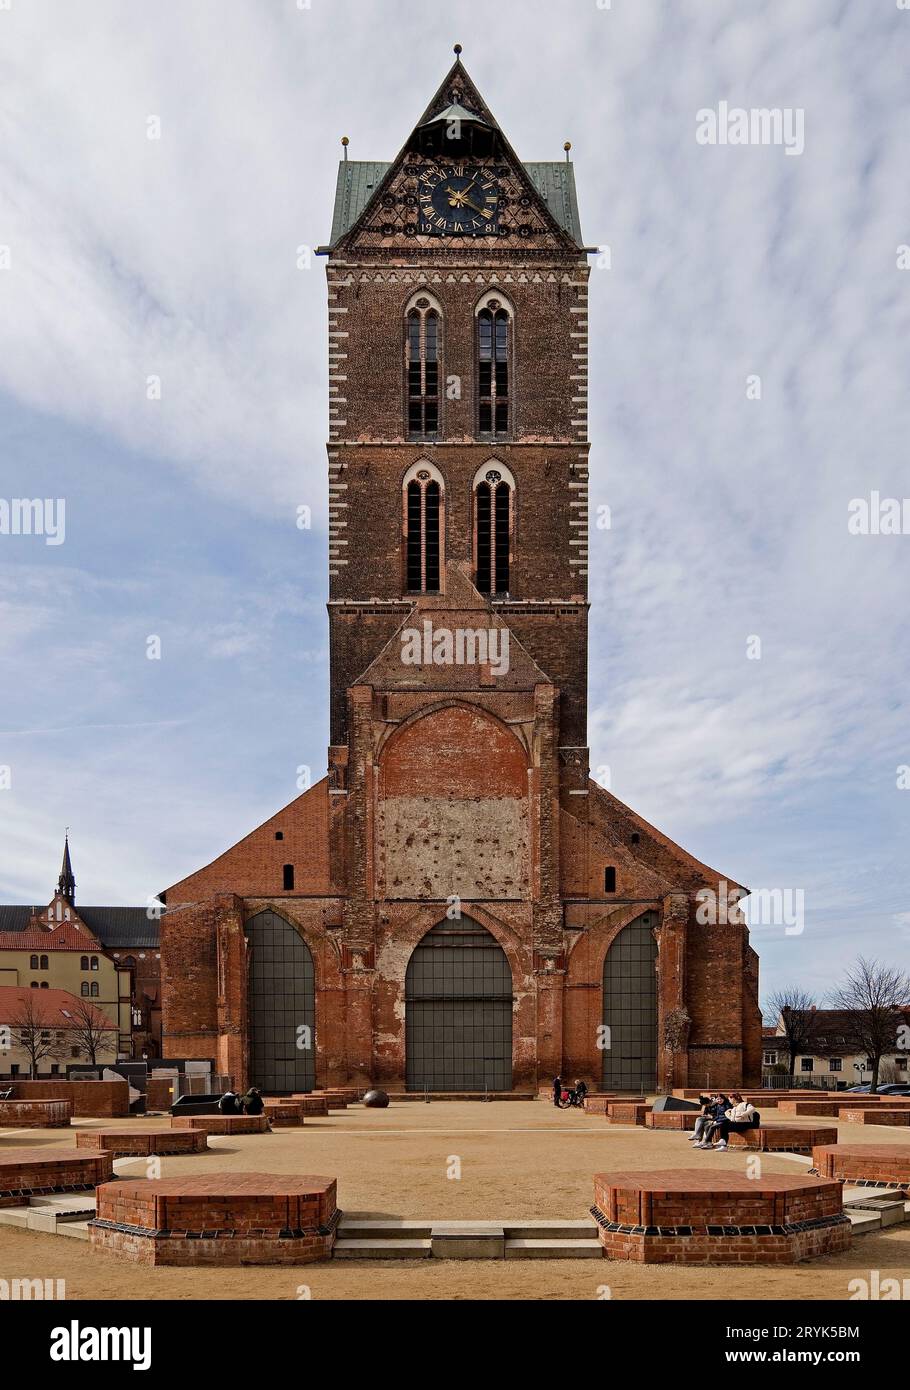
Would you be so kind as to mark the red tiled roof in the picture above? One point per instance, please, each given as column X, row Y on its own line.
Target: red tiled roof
column 60, row 936
column 58, row 1008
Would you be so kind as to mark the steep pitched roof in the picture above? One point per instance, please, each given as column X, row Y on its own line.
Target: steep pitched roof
column 550, row 184
column 57, row 936
column 358, row 180
column 460, row 607
column 117, row 928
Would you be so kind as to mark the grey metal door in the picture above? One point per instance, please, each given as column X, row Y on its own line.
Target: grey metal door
column 282, row 1006
column 458, row 1011
column 630, row 1008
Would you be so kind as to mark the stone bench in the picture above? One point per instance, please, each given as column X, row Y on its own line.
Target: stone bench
column 28, row 1173
column 129, row 1143
column 35, row 1114
column 697, row 1217
column 223, row 1124
column 868, row 1115
column 222, row 1219
column 878, row 1165
column 780, row 1138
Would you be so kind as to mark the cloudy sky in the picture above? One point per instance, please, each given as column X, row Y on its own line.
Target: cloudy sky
column 125, row 258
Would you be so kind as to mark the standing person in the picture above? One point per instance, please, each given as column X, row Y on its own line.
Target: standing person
column 557, row 1090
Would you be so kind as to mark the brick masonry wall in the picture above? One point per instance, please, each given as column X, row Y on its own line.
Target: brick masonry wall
column 98, row 1099
column 35, row 1114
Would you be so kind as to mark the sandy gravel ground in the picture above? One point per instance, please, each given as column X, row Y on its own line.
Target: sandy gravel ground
column 519, row 1160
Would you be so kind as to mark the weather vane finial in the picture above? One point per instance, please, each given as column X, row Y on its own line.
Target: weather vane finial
column 457, row 51
column 345, row 142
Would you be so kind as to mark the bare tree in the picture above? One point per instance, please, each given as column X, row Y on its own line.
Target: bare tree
column 32, row 1029
column 794, row 1011
column 874, row 999
column 88, row 1029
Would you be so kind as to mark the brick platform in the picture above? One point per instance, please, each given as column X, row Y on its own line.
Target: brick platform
column 35, row 1114
column 309, row 1105
column 106, row 1100
column 124, row 1143
column 223, row 1124
column 28, row 1173
column 333, row 1101
column 223, row 1219
column 775, row 1138
column 285, row 1114
column 876, row 1164
column 600, row 1104
column 697, row 1217
column 670, row 1119
column 874, row 1116
column 622, row 1112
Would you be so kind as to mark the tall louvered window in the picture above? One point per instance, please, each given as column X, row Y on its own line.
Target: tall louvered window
column 493, row 384
column 423, row 524
column 422, row 362
column 493, row 525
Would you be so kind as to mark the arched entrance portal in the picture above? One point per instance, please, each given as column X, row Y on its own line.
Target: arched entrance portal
column 630, row 1008
column 458, row 1011
column 282, row 1006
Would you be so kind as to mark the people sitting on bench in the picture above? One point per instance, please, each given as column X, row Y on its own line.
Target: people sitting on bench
column 252, row 1103
column 741, row 1116
column 706, row 1117
column 229, row 1104
column 717, row 1110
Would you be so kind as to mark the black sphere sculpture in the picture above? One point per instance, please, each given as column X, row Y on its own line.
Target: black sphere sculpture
column 376, row 1100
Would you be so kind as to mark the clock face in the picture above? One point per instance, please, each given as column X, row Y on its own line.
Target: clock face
column 457, row 200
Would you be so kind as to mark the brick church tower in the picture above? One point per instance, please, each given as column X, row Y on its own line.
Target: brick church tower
column 457, row 906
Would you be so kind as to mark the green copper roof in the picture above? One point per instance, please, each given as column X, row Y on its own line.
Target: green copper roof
column 358, row 180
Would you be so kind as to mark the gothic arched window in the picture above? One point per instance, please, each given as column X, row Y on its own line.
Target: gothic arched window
column 494, row 524
column 494, row 383
column 422, row 366
column 424, row 528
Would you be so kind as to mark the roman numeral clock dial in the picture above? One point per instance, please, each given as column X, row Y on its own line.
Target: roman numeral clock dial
column 457, row 200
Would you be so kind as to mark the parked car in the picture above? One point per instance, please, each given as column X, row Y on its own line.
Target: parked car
column 892, row 1089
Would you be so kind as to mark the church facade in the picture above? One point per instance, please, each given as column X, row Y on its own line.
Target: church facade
column 457, row 906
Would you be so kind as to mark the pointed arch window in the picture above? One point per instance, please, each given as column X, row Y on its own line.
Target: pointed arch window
column 494, row 524
column 494, row 368
column 423, row 346
column 424, row 527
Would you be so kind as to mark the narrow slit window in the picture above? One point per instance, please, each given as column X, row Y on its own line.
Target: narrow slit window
column 609, row 880
column 288, row 877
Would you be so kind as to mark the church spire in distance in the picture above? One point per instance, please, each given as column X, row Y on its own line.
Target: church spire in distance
column 66, row 883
